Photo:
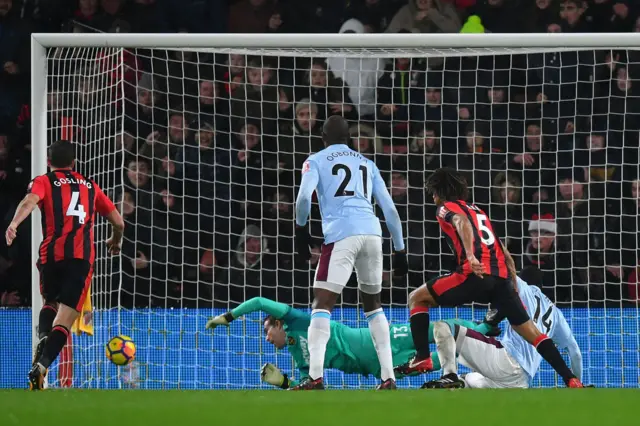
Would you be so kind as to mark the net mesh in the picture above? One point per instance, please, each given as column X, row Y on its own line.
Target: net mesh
column 202, row 150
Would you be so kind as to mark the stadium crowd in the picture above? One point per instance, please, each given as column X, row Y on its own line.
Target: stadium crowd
column 214, row 144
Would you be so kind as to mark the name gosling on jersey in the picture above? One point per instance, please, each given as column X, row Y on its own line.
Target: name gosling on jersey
column 63, row 181
column 335, row 155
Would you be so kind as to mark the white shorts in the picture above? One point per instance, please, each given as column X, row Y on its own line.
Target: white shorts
column 337, row 261
column 492, row 365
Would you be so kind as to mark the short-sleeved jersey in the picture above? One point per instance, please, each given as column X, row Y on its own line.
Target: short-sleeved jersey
column 547, row 317
column 487, row 247
column 346, row 183
column 68, row 203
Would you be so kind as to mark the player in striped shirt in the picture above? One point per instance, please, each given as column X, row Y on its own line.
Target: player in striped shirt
column 484, row 273
column 510, row 362
column 350, row 350
column 68, row 202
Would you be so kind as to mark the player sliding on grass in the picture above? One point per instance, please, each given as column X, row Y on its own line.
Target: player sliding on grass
column 484, row 274
column 510, row 362
column 345, row 183
column 350, row 350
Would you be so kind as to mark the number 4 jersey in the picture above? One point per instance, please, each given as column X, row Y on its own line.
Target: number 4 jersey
column 345, row 182
column 487, row 247
column 68, row 203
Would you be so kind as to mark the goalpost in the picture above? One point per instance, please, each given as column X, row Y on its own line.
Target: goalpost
column 205, row 166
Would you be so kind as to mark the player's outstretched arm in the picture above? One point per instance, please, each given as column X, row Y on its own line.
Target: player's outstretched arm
column 257, row 304
column 26, row 206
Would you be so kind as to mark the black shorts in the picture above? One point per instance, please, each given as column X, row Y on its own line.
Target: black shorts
column 66, row 282
column 457, row 289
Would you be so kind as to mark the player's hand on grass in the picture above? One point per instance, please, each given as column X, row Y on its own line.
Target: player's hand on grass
column 223, row 319
column 113, row 245
column 10, row 234
column 272, row 375
column 400, row 265
column 303, row 241
column 476, row 266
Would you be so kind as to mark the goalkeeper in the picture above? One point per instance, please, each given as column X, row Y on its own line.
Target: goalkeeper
column 349, row 350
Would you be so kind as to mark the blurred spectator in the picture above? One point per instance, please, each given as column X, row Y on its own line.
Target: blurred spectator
column 426, row 16
column 360, row 74
column 207, row 159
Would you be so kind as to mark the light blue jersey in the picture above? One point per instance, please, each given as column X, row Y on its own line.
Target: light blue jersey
column 549, row 320
column 345, row 182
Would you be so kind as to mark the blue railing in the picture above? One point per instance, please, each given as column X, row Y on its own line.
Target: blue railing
column 174, row 350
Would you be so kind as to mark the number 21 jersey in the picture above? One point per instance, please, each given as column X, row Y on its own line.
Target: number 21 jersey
column 68, row 203
column 346, row 183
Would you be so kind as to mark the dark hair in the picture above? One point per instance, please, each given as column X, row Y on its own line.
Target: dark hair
column 447, row 184
column 335, row 131
column 61, row 154
column 271, row 320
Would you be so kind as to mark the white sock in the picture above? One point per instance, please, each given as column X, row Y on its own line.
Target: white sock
column 379, row 328
column 446, row 347
column 319, row 333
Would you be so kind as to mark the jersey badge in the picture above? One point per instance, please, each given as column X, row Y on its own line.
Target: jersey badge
column 291, row 341
column 306, row 167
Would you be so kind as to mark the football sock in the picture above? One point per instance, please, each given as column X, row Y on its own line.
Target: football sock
column 55, row 342
column 548, row 350
column 318, row 333
column 379, row 328
column 436, row 361
column 446, row 347
column 45, row 320
column 419, row 321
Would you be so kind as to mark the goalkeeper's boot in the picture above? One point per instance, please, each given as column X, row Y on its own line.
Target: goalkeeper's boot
column 388, row 384
column 36, row 377
column 317, row 384
column 39, row 350
column 449, row 381
column 415, row 366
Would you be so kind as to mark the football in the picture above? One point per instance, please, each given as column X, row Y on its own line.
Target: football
column 121, row 350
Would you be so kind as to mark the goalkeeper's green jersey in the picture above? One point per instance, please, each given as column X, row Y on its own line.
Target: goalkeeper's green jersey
column 349, row 350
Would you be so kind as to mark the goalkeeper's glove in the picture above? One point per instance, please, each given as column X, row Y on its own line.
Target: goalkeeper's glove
column 303, row 240
column 400, row 265
column 223, row 319
column 272, row 375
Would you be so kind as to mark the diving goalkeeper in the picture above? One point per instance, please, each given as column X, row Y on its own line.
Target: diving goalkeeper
column 349, row 350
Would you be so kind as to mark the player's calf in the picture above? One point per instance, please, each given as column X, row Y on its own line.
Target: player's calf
column 57, row 338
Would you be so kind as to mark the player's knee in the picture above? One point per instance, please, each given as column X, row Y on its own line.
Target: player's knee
column 441, row 331
column 370, row 295
column 66, row 316
column 324, row 299
column 420, row 297
column 475, row 380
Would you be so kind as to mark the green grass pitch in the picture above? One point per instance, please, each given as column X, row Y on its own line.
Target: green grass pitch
column 567, row 407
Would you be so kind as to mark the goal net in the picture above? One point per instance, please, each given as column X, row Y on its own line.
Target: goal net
column 201, row 148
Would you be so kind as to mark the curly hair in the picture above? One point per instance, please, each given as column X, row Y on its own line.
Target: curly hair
column 447, row 184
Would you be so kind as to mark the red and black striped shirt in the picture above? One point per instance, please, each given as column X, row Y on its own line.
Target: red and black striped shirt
column 487, row 247
column 68, row 202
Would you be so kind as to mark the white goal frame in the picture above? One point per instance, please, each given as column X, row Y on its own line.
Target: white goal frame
column 424, row 45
